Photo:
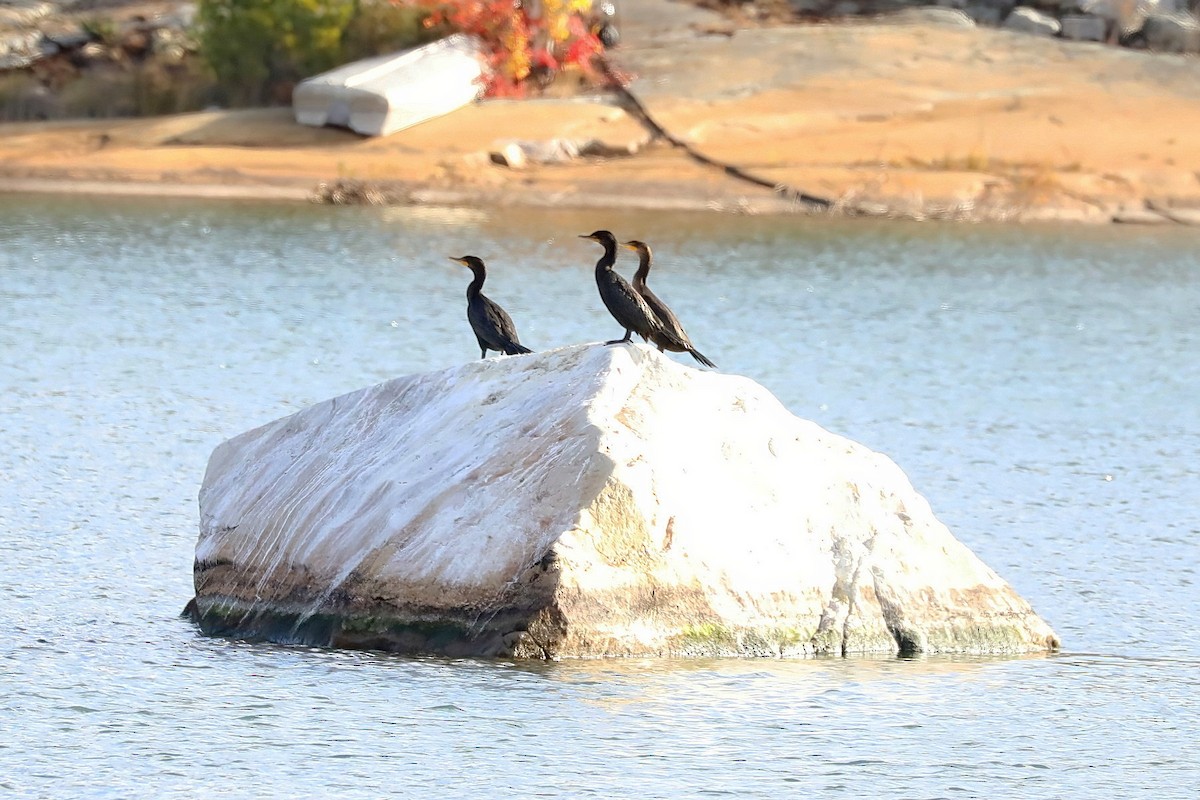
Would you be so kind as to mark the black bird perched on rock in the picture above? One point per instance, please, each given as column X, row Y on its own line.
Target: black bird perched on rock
column 666, row 317
column 494, row 329
column 626, row 305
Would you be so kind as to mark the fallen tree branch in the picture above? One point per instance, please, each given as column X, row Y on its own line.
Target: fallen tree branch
column 639, row 110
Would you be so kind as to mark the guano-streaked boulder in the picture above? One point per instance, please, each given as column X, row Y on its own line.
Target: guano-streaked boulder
column 588, row 501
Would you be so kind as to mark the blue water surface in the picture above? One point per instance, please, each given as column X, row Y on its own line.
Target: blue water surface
column 1039, row 385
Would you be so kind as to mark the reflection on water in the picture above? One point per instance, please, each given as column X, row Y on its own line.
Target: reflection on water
column 1037, row 384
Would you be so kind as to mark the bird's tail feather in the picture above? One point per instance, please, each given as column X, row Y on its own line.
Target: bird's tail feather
column 516, row 349
column 696, row 354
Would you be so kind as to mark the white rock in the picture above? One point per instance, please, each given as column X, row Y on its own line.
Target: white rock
column 1028, row 20
column 25, row 13
column 509, row 154
column 517, row 153
column 581, row 502
column 18, row 50
column 946, row 17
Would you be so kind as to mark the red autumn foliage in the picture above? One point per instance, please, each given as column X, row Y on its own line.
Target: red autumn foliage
column 521, row 45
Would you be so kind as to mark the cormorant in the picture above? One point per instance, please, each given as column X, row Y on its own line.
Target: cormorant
column 626, row 305
column 666, row 317
column 494, row 329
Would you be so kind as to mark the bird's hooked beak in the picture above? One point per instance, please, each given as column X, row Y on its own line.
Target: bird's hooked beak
column 629, row 246
column 587, row 236
column 462, row 261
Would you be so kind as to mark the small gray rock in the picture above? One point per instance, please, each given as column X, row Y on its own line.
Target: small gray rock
column 1128, row 14
column 1172, row 33
column 600, row 149
column 70, row 39
column 1083, row 28
column 1003, row 6
column 984, row 14
column 805, row 7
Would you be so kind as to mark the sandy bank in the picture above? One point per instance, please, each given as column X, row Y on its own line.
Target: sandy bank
column 881, row 119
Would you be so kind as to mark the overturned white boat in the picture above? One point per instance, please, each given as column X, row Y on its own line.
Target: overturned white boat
column 385, row 94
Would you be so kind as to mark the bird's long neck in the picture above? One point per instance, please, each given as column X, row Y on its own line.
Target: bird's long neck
column 608, row 259
column 643, row 270
column 476, row 286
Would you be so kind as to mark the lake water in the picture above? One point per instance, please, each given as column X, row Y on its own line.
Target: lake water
column 1041, row 386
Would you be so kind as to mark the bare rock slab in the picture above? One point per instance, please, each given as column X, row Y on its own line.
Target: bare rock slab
column 588, row 501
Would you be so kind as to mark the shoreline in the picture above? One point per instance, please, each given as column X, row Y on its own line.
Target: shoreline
column 116, row 188
column 962, row 124
column 765, row 204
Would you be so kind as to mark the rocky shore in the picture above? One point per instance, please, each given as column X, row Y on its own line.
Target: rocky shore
column 923, row 115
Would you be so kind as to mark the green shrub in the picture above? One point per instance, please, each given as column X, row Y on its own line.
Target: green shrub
column 101, row 30
column 258, row 49
column 99, row 94
column 22, row 97
column 171, row 89
column 379, row 26
column 137, row 90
